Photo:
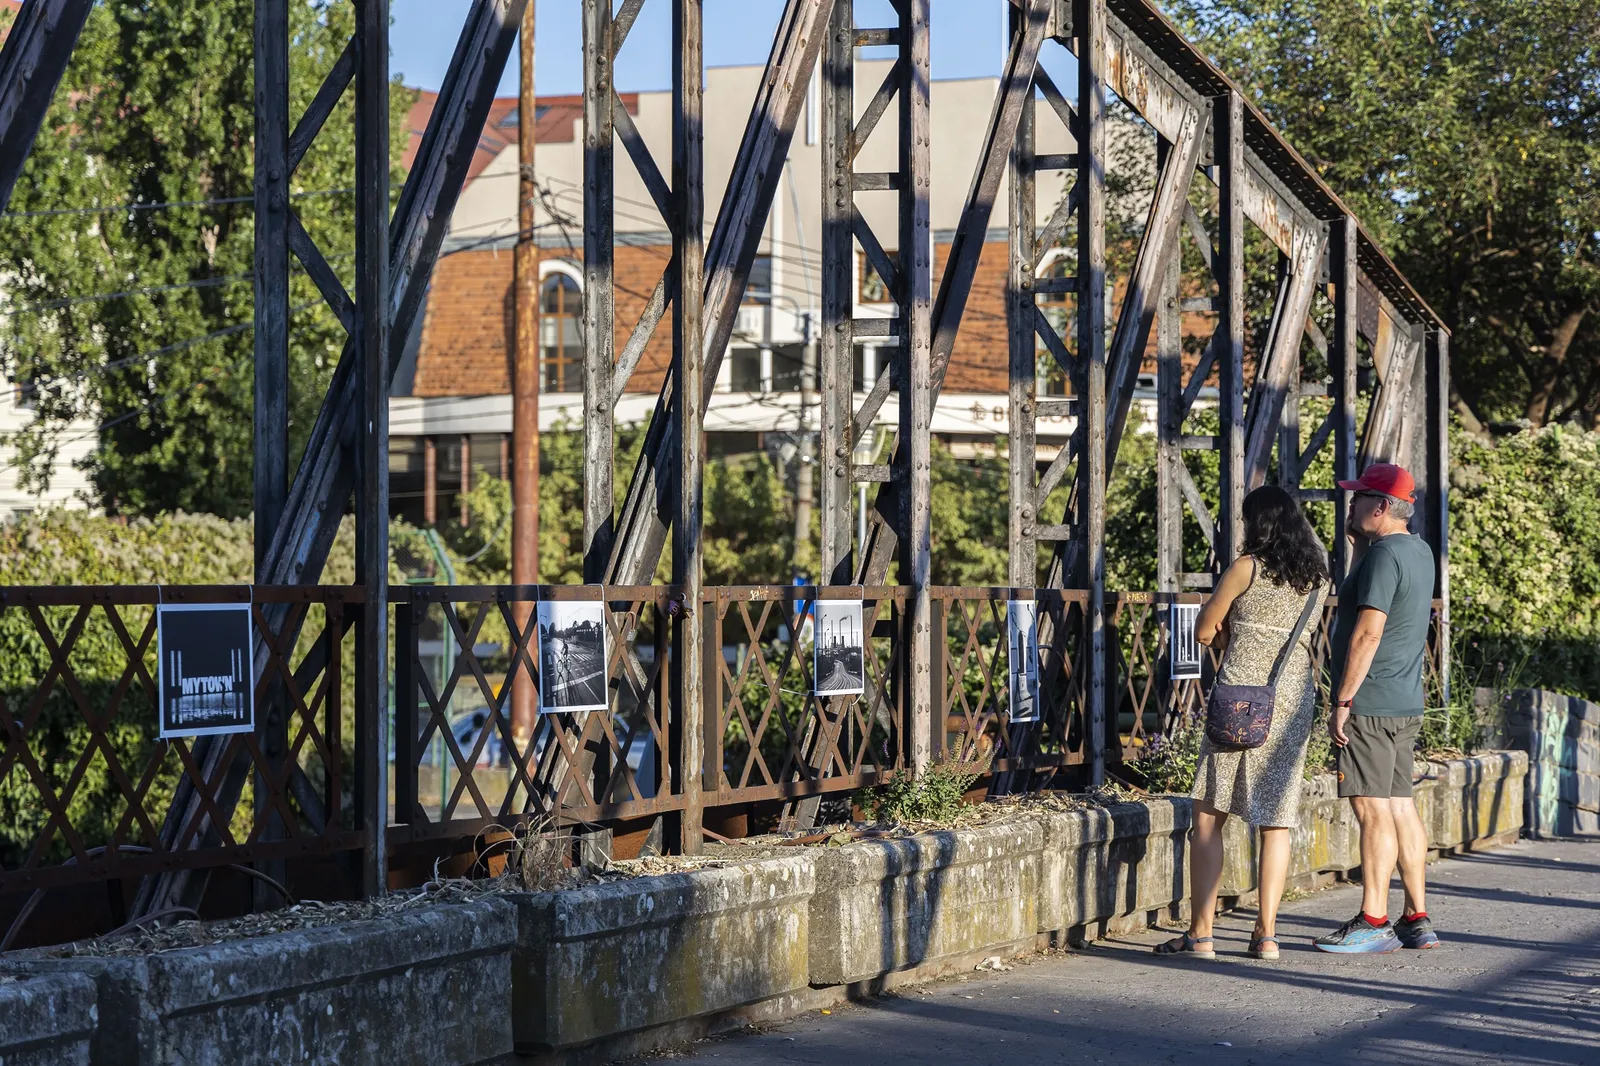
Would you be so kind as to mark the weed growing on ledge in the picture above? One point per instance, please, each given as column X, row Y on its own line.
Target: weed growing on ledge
column 935, row 795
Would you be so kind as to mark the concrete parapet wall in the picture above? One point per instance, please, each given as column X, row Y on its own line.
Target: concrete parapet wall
column 615, row 958
column 888, row 905
column 1102, row 864
column 588, row 975
column 47, row 1020
column 425, row 986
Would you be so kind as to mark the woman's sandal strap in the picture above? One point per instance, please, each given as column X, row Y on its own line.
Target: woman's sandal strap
column 1186, row 944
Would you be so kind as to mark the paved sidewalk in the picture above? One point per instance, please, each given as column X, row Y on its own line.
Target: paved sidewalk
column 1517, row 979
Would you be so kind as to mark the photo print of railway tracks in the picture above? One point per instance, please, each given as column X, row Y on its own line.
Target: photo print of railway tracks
column 839, row 660
column 572, row 657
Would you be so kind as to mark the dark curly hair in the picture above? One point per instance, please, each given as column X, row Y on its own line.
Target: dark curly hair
column 1280, row 538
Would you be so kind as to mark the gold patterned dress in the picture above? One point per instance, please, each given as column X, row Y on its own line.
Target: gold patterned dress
column 1262, row 785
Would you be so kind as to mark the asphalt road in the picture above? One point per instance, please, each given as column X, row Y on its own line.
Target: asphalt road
column 1516, row 979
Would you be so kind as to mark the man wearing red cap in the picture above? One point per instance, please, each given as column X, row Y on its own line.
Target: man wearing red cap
column 1379, row 639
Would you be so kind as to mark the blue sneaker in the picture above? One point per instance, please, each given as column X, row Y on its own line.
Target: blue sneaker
column 1416, row 932
column 1358, row 936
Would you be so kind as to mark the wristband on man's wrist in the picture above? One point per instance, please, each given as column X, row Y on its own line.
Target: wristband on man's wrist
column 1351, row 702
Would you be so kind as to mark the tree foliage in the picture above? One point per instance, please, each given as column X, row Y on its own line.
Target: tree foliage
column 1466, row 135
column 114, row 317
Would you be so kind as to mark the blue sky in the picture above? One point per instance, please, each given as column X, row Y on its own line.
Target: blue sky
column 966, row 38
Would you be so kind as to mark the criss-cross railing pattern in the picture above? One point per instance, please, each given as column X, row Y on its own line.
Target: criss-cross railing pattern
column 92, row 783
column 769, row 734
column 460, row 768
column 973, row 670
column 1146, row 701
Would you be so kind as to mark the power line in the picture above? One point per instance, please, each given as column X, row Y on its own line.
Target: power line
column 98, row 297
column 154, row 401
column 160, row 205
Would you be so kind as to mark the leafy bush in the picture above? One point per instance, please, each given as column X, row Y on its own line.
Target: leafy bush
column 1525, row 560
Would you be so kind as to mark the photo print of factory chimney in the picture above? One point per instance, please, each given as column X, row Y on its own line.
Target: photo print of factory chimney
column 206, row 678
column 838, row 664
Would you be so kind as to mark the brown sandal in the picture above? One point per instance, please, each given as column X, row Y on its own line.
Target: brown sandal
column 1188, row 945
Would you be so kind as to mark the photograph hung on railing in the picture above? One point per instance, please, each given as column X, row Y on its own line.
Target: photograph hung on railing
column 572, row 656
column 839, row 658
column 206, row 681
column 1183, row 648
column 1022, row 638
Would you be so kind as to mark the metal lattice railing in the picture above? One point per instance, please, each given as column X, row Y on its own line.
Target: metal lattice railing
column 458, row 767
column 87, row 783
column 769, row 735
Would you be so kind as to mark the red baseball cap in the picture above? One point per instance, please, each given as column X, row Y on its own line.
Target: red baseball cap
column 1387, row 478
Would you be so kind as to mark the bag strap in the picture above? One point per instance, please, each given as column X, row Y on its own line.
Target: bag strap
column 1294, row 638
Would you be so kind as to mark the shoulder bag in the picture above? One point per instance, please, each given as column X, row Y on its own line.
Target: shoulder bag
column 1240, row 716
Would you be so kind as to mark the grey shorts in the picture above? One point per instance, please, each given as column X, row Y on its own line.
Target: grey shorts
column 1377, row 761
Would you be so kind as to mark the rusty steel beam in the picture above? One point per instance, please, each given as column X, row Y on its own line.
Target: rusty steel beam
column 651, row 502
column 322, row 486
column 32, row 61
column 688, row 354
column 1016, row 87
column 1280, row 368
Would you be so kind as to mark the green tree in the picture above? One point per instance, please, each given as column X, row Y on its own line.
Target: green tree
column 1466, row 135
column 105, row 313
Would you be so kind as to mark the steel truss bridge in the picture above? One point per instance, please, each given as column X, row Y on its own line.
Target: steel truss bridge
column 712, row 723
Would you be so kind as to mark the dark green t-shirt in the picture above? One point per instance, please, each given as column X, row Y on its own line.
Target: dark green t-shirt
column 1396, row 577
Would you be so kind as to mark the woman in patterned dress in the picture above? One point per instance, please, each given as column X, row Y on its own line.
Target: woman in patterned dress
column 1251, row 614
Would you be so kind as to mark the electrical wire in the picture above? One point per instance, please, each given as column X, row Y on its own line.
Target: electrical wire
column 99, row 297
column 160, row 205
column 151, row 403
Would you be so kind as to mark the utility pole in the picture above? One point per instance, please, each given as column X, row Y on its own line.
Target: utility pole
column 525, row 384
column 803, row 489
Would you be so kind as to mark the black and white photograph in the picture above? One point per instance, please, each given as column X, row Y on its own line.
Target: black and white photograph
column 572, row 656
column 838, row 662
column 206, row 678
column 1022, row 631
column 1185, row 648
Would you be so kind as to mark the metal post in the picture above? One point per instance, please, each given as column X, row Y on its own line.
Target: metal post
column 525, row 380
column 1169, row 460
column 1289, row 433
column 1346, row 297
column 328, row 468
column 916, row 341
column 688, row 355
column 1230, row 282
column 271, row 456
column 1023, row 568
column 1089, row 21
column 271, row 270
column 372, row 486
column 599, row 175
column 1437, row 502
column 836, row 342
column 1169, row 430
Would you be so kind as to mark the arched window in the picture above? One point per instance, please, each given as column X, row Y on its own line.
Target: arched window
column 560, row 349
